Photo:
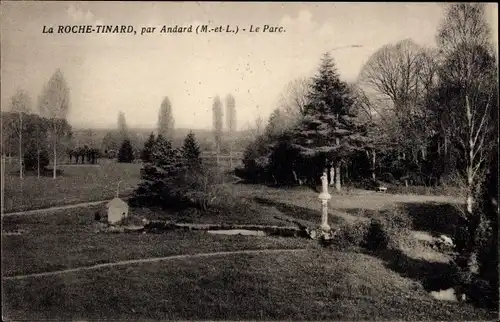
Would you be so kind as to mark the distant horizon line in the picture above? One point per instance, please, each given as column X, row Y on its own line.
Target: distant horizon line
column 152, row 129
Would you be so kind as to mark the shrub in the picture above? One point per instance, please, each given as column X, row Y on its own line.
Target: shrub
column 351, row 234
column 388, row 232
column 377, row 236
column 255, row 160
column 200, row 187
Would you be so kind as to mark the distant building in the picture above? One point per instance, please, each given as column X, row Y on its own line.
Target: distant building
column 117, row 210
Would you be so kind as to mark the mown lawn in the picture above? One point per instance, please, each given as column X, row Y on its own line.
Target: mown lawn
column 78, row 183
column 68, row 239
column 301, row 286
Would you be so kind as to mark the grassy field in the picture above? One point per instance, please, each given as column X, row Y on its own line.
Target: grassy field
column 68, row 239
column 78, row 183
column 303, row 286
column 316, row 284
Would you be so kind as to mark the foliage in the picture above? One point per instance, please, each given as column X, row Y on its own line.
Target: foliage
column 148, row 149
column 218, row 124
column 126, row 153
column 328, row 127
column 166, row 120
column 109, row 142
column 482, row 285
column 230, row 114
column 191, row 152
column 351, row 235
column 54, row 103
column 390, row 231
column 122, row 127
column 36, row 159
column 201, row 187
column 159, row 176
column 255, row 160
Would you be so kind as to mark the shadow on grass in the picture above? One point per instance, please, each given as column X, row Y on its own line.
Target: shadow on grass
column 433, row 276
column 301, row 213
column 434, row 218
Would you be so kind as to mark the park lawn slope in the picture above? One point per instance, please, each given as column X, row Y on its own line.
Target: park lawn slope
column 312, row 285
column 77, row 184
column 68, row 239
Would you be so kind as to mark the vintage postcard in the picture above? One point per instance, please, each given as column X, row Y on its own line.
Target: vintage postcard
column 249, row 161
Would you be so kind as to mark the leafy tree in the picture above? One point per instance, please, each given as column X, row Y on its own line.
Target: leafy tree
column 37, row 130
column 256, row 159
column 54, row 103
column 328, row 132
column 21, row 104
column 109, row 142
column 276, row 124
column 293, row 101
column 400, row 79
column 126, row 153
column 259, row 126
column 148, row 148
column 468, row 90
column 191, row 152
column 166, row 120
column 35, row 159
column 231, row 123
column 122, row 127
column 218, row 115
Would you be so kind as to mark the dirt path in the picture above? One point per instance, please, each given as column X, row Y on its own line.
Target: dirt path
column 43, row 210
column 150, row 260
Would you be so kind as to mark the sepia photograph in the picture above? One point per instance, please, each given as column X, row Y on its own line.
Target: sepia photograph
column 253, row 161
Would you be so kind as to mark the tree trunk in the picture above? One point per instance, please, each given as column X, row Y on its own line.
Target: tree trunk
column 55, row 160
column 38, row 163
column 337, row 177
column 218, row 153
column 231, row 154
column 20, row 146
column 373, row 164
column 2, row 184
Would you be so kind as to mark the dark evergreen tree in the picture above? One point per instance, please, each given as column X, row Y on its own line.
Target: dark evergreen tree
column 126, row 153
column 191, row 152
column 160, row 176
column 148, row 148
column 329, row 132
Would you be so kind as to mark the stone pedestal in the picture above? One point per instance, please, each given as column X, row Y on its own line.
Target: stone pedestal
column 324, row 197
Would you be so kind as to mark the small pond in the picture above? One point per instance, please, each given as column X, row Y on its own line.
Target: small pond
column 243, row 232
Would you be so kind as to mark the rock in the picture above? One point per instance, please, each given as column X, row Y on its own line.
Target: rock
column 445, row 295
column 446, row 240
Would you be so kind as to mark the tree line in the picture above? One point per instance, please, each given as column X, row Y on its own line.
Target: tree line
column 166, row 129
column 37, row 135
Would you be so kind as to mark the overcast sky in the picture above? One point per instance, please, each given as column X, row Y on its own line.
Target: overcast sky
column 108, row 73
